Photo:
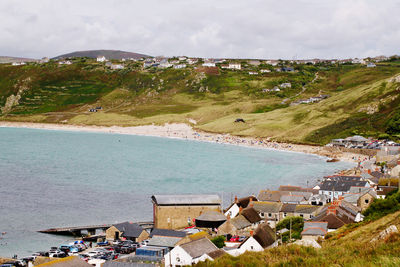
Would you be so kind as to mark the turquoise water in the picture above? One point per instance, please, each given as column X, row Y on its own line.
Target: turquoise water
column 59, row 178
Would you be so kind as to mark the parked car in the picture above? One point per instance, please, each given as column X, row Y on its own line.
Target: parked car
column 105, row 243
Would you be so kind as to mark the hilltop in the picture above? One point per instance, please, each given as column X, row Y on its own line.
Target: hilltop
column 307, row 103
column 5, row 59
column 109, row 54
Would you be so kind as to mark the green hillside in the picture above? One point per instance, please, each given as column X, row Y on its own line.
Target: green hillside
column 361, row 100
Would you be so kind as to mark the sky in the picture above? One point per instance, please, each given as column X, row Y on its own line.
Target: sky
column 263, row 29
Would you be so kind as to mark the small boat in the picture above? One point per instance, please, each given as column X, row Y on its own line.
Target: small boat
column 332, row 160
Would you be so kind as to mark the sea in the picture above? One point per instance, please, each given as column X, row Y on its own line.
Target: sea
column 54, row 178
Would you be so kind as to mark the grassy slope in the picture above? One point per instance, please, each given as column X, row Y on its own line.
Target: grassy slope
column 133, row 97
column 350, row 246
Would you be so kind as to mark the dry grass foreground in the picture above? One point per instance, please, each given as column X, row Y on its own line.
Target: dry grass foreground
column 349, row 246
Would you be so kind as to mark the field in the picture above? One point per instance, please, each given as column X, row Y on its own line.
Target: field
column 361, row 100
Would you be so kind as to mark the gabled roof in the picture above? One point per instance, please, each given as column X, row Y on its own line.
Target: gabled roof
column 175, row 200
column 199, row 247
column 251, row 215
column 316, row 224
column 289, row 198
column 240, row 222
column 340, row 185
column 268, row 195
column 129, row 229
column 264, row 235
column 314, row 231
column 267, row 207
column 244, row 202
column 334, row 222
column 164, row 241
column 308, row 209
column 167, row 232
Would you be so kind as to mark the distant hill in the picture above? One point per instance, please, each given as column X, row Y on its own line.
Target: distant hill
column 109, row 54
column 4, row 59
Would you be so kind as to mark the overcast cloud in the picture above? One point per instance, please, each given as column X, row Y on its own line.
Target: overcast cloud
column 205, row 28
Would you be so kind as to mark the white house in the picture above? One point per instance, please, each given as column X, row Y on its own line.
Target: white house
column 190, row 253
column 286, row 85
column 250, row 244
column 232, row 211
column 208, row 64
column 101, row 59
column 234, row 66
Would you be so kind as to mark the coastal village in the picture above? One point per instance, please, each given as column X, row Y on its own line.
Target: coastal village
column 190, row 228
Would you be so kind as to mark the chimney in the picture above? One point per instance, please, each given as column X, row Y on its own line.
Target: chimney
column 369, row 171
column 228, row 217
column 331, row 210
column 251, row 233
column 236, row 199
column 251, row 204
column 240, row 210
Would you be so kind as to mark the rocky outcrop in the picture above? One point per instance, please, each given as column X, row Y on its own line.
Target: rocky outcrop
column 385, row 233
column 13, row 100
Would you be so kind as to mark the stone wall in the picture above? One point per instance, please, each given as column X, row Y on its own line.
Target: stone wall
column 176, row 217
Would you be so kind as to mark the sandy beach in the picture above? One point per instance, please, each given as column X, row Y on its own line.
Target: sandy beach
column 184, row 131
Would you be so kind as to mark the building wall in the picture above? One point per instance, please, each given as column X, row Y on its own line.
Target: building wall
column 143, row 236
column 175, row 217
column 110, row 233
column 310, row 237
column 177, row 257
column 364, row 201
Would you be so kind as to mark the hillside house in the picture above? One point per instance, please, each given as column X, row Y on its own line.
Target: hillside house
column 126, row 230
column 234, row 208
column 264, row 237
column 191, row 253
column 178, row 211
column 101, row 59
column 305, row 211
column 234, row 66
column 337, row 187
column 285, row 85
column 361, row 197
column 268, row 211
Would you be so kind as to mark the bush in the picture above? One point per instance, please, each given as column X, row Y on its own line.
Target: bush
column 219, row 241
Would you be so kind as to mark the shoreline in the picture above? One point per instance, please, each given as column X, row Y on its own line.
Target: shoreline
column 186, row 132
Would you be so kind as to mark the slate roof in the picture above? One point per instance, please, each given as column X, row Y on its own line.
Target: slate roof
column 315, row 228
column 164, row 241
column 129, row 229
column 308, row 209
column 340, row 185
column 71, row 261
column 295, row 199
column 167, row 232
column 343, row 178
column 267, row 207
column 334, row 222
column 251, row 215
column 288, row 208
column 240, row 222
column 268, row 195
column 292, row 188
column 171, row 200
column 199, row 247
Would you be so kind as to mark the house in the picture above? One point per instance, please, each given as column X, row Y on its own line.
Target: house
column 251, row 215
column 192, row 61
column 361, row 197
column 319, row 200
column 292, row 188
column 180, row 66
column 236, row 226
column 234, row 208
column 268, row 211
column 166, row 232
column 382, row 191
column 285, row 85
column 178, row 211
column 265, row 70
column 264, row 237
column 191, row 253
column 234, row 66
column 305, row 211
column 101, row 59
column 336, row 187
column 269, row 195
column 371, row 65
column 314, row 230
column 338, row 213
column 164, row 241
column 126, row 230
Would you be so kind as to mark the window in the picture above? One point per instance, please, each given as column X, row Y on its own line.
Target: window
column 262, row 214
column 301, row 215
column 284, row 215
column 366, row 201
column 251, row 247
column 269, row 215
column 178, row 259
